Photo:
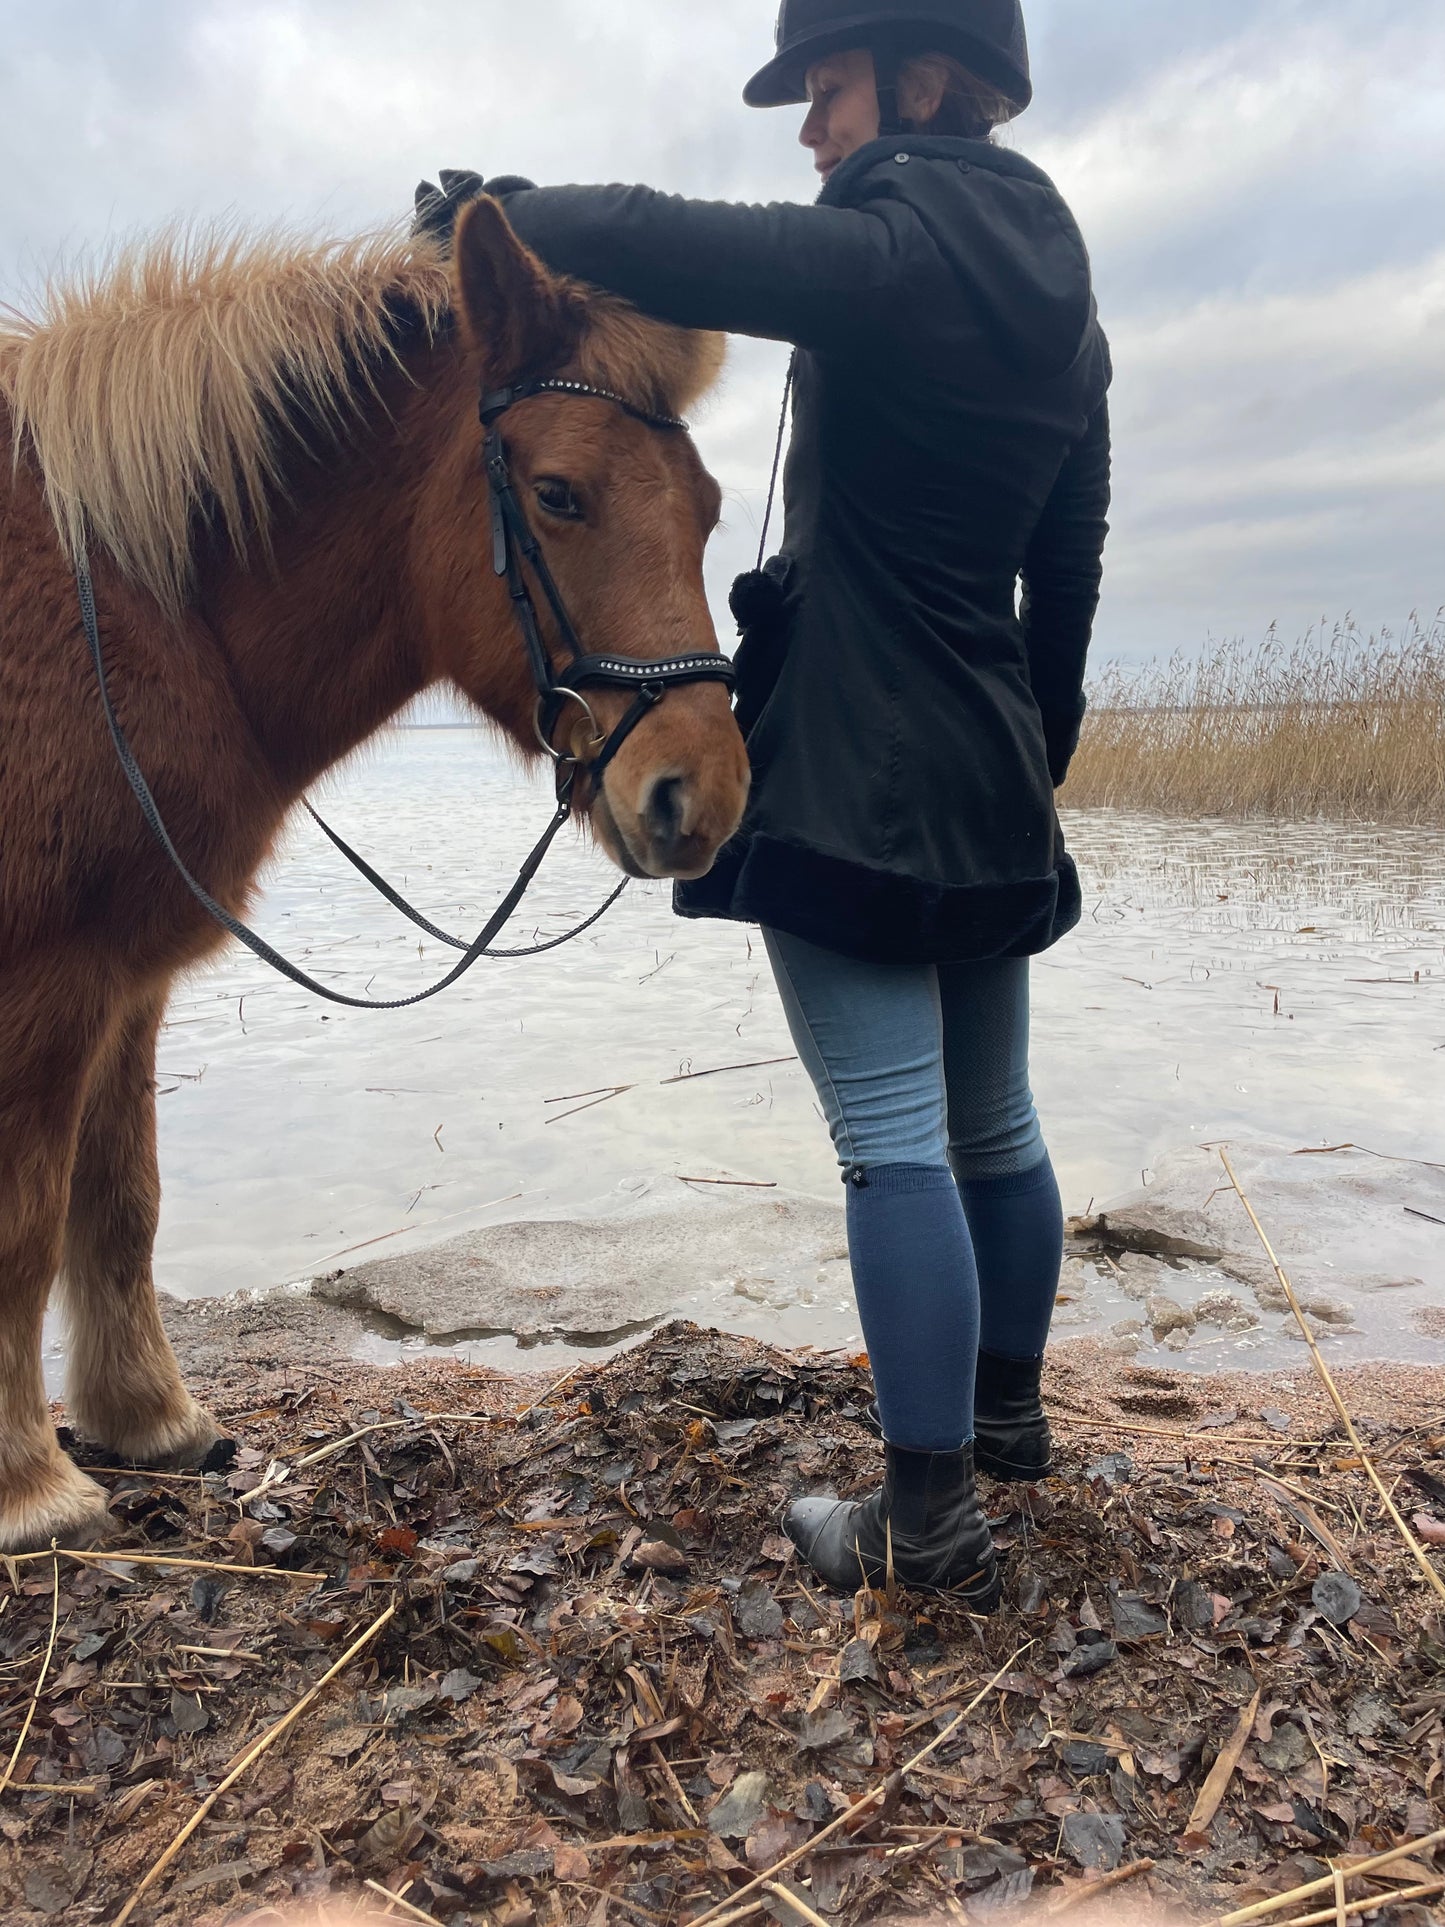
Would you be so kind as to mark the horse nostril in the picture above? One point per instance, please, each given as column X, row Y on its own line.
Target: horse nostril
column 664, row 812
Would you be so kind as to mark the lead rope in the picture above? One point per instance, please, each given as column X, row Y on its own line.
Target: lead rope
column 258, row 946
column 777, row 458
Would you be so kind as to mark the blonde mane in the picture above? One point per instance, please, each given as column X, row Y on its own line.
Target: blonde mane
column 157, row 391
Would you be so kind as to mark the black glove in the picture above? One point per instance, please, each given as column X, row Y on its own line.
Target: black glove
column 437, row 208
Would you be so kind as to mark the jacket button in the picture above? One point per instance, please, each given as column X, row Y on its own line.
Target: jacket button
column 965, row 167
column 902, row 159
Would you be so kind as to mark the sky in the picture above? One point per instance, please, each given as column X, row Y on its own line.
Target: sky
column 1259, row 182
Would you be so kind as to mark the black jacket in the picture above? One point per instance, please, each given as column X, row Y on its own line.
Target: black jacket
column 906, row 724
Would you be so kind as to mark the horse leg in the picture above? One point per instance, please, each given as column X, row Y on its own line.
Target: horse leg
column 48, row 1038
column 124, row 1388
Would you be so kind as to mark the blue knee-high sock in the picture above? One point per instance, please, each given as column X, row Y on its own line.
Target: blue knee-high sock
column 1017, row 1228
column 917, row 1291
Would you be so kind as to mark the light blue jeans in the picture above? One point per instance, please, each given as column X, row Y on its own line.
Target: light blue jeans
column 915, row 1064
column 955, row 1229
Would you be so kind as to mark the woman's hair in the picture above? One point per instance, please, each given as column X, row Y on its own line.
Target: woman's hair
column 970, row 108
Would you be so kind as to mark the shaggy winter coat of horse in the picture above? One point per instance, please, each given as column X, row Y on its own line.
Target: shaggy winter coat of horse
column 275, row 455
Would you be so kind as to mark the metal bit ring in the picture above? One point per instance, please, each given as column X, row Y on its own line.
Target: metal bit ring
column 573, row 695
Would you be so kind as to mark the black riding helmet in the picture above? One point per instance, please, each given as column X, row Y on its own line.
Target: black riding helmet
column 986, row 35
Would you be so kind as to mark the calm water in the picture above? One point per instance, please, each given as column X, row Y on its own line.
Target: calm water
column 1283, row 981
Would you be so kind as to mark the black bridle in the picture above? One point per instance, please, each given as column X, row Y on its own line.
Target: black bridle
column 513, row 545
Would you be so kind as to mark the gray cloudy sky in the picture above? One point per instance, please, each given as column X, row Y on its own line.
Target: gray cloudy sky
column 1259, row 180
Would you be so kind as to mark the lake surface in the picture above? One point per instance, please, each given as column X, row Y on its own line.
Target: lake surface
column 1251, row 980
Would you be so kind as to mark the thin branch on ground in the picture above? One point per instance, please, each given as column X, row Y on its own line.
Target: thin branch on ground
column 1418, row 1552
column 8, row 1775
column 253, row 1753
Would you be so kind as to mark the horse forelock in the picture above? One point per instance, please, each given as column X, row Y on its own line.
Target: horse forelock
column 658, row 368
column 163, row 391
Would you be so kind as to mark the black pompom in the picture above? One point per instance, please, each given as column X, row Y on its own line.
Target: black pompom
column 756, row 598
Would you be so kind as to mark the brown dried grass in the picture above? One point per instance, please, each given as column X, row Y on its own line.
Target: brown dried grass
column 1339, row 724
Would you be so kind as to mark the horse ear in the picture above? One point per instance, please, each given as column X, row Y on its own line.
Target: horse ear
column 514, row 311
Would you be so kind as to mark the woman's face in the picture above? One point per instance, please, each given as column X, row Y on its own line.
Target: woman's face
column 843, row 117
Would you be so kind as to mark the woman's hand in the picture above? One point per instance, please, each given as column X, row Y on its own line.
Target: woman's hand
column 437, row 208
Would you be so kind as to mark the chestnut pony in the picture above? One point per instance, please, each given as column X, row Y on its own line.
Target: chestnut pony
column 273, row 454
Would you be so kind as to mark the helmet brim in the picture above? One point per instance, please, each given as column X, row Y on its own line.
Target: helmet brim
column 783, row 82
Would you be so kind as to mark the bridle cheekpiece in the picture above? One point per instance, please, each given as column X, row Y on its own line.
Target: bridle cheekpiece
column 514, row 543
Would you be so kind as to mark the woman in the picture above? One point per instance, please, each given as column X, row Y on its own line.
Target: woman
column 906, row 725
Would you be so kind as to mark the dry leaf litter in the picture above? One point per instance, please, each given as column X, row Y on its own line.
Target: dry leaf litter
column 609, row 1694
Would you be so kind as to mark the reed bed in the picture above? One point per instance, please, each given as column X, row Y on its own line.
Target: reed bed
column 1339, row 724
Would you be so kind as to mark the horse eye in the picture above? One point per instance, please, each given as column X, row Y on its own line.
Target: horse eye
column 557, row 499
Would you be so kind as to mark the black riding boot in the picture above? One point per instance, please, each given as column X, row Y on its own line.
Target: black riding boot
column 1012, row 1439
column 940, row 1538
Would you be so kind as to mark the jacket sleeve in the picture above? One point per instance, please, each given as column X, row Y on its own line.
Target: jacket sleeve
column 1062, row 573
column 821, row 277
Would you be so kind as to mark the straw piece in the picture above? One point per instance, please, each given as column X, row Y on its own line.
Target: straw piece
column 1374, row 1903
column 856, row 1812
column 794, row 1904
column 1278, row 1905
column 267, row 1740
column 1211, row 1797
column 1421, row 1557
column 416, row 1913
column 1091, row 1889
column 9, row 1773
column 159, row 1559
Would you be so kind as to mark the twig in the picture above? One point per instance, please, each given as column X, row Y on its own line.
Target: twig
column 9, row 1773
column 1373, row 1903
column 160, row 1559
column 1211, row 1797
column 1186, row 1437
column 617, row 1090
column 1090, row 1889
column 1418, row 1551
column 267, row 1740
column 406, row 1907
column 856, row 1812
column 1359, row 1871
column 791, row 1900
column 742, row 1913
column 740, row 1184
column 691, row 1077
column 54, row 1786
column 538, row 1403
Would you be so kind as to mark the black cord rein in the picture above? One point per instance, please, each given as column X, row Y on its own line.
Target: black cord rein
column 513, row 542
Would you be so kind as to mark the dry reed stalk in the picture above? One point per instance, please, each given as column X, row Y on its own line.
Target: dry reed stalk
column 856, row 1812
column 1078, row 1896
column 8, row 1775
column 794, row 1905
column 1418, row 1552
column 1363, row 1869
column 1340, row 725
column 395, row 1900
column 1375, row 1903
column 253, row 1753
column 159, row 1559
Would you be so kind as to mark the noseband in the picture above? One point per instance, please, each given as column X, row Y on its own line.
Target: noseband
column 513, row 543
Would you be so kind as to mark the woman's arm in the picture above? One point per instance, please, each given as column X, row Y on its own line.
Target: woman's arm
column 1062, row 574
column 822, row 277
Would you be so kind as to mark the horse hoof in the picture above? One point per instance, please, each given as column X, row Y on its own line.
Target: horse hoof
column 66, row 1509
column 188, row 1443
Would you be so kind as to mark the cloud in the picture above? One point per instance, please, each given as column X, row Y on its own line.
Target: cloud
column 1258, row 179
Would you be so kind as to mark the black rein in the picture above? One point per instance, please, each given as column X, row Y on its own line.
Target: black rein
column 513, row 543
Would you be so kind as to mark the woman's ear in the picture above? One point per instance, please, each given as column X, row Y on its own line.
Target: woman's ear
column 518, row 317
column 921, row 87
